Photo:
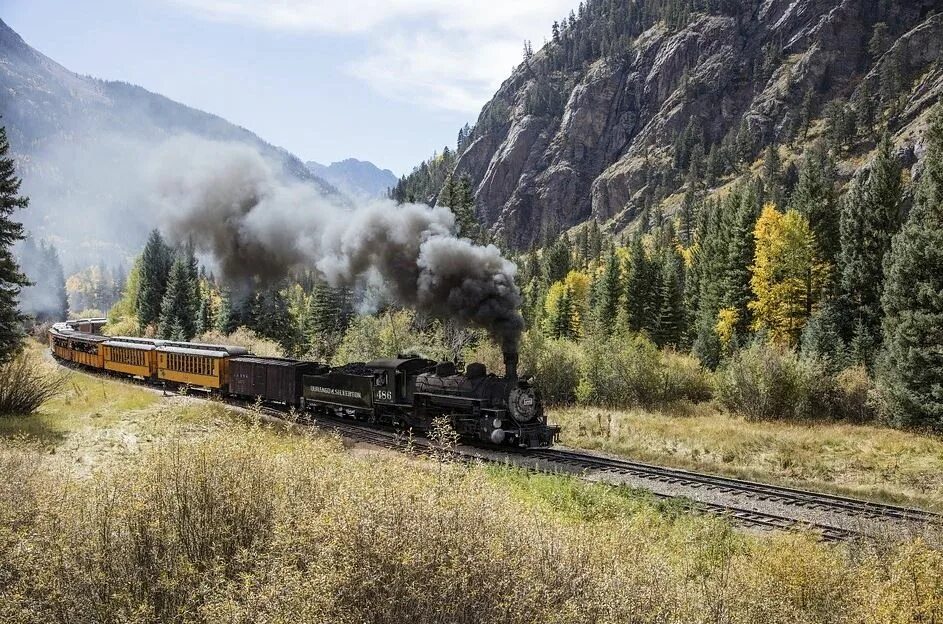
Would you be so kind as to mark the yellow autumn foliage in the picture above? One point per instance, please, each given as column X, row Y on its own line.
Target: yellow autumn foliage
column 787, row 276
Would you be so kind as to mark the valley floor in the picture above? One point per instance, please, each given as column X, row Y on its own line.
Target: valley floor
column 121, row 504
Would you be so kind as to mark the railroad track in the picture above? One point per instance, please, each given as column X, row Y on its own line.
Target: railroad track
column 389, row 438
column 792, row 497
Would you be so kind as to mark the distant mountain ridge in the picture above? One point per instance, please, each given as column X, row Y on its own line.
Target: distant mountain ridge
column 357, row 178
column 73, row 137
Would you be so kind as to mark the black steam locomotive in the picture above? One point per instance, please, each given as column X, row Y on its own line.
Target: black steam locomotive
column 413, row 392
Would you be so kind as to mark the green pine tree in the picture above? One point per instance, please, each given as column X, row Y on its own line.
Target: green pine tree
column 11, row 278
column 911, row 370
column 556, row 260
column 594, row 240
column 741, row 246
column 814, row 197
column 670, row 322
column 638, row 286
column 609, row 291
column 156, row 261
column 270, row 318
column 772, row 175
column 687, row 217
column 562, row 324
column 225, row 320
column 178, row 310
column 463, row 206
column 870, row 216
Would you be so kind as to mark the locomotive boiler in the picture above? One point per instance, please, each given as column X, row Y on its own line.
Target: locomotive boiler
column 500, row 410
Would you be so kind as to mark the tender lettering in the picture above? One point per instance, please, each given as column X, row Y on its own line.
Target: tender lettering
column 350, row 394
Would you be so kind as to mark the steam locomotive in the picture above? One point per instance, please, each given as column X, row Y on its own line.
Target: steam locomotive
column 406, row 392
column 413, row 392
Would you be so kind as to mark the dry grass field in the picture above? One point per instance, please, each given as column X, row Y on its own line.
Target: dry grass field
column 120, row 505
column 861, row 460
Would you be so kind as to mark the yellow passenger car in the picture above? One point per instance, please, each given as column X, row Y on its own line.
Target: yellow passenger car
column 60, row 346
column 86, row 349
column 194, row 364
column 131, row 356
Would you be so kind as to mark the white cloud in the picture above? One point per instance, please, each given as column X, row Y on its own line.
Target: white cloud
column 443, row 55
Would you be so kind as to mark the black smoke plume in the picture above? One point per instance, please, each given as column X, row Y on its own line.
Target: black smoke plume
column 258, row 227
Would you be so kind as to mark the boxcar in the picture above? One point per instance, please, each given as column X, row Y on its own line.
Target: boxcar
column 131, row 356
column 194, row 364
column 274, row 379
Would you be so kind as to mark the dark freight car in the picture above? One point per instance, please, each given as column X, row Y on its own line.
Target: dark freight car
column 277, row 379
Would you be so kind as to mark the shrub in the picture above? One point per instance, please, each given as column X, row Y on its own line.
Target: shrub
column 244, row 337
column 25, row 384
column 626, row 371
column 40, row 331
column 125, row 326
column 387, row 335
column 488, row 353
column 770, row 382
column 240, row 528
column 621, row 371
column 685, row 378
column 555, row 365
column 855, row 398
column 87, row 313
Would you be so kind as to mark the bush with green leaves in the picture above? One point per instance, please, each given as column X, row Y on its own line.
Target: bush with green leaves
column 685, row 379
column 628, row 370
column 388, row 334
column 555, row 365
column 769, row 382
column 621, row 371
column 766, row 382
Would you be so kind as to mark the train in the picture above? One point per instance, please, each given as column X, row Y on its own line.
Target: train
column 407, row 392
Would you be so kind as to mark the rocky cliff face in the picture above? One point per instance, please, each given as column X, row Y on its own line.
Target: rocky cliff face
column 741, row 75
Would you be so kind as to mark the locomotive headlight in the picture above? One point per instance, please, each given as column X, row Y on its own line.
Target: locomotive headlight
column 523, row 404
column 497, row 423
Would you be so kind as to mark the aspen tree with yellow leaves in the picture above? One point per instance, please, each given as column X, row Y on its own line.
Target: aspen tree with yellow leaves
column 787, row 275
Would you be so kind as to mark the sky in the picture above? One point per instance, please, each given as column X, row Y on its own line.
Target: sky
column 386, row 81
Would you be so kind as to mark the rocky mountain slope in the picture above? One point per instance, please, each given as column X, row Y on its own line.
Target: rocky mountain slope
column 76, row 138
column 603, row 121
column 356, row 178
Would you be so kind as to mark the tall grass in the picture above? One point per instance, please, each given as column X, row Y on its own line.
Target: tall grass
column 237, row 528
column 26, row 383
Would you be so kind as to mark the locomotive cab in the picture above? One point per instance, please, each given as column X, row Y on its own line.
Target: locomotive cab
column 392, row 379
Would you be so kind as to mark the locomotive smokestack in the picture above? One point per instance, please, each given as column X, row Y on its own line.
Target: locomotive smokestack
column 510, row 364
